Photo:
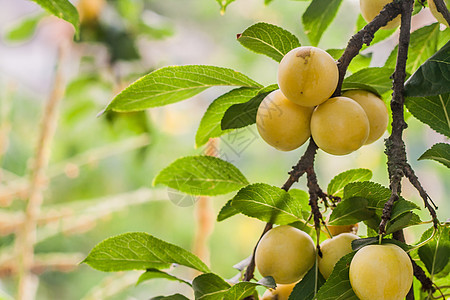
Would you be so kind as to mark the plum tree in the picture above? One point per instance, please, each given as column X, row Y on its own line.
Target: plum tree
column 282, row 292
column 339, row 126
column 285, row 253
column 437, row 14
column 371, row 8
column 307, row 76
column 382, row 272
column 376, row 112
column 333, row 250
column 282, row 123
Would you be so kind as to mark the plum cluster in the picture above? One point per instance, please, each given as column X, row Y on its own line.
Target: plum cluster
column 302, row 107
column 382, row 272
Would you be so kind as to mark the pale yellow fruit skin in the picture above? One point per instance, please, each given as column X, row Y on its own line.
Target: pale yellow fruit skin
column 339, row 126
column 333, row 250
column 371, row 8
column 282, row 292
column 338, row 229
column 376, row 112
column 437, row 14
column 282, row 123
column 382, row 272
column 307, row 76
column 285, row 253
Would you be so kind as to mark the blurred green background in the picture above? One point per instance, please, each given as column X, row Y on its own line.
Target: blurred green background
column 95, row 159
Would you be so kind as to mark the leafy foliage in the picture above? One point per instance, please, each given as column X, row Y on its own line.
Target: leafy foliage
column 318, row 16
column 337, row 184
column 433, row 77
column 304, row 290
column 359, row 243
column 139, row 251
column 227, row 211
column 267, row 203
column 62, row 9
column 436, row 254
column 269, row 40
column 338, row 283
column 423, row 44
column 439, row 152
column 210, row 124
column 173, row 84
column 155, row 273
column 201, row 175
column 376, row 80
column 364, row 201
column 223, row 5
column 361, row 61
column 24, row 30
column 244, row 114
column 432, row 110
column 211, row 287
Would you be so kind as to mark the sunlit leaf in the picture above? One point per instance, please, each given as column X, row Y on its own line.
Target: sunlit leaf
column 202, row 175
column 439, row 152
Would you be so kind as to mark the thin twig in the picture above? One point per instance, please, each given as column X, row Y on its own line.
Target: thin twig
column 27, row 237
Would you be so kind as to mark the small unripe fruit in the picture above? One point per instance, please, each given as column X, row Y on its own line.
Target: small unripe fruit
column 371, row 8
column 282, row 292
column 307, row 76
column 285, row 253
column 437, row 14
column 282, row 123
column 333, row 250
column 382, row 272
column 376, row 112
column 339, row 126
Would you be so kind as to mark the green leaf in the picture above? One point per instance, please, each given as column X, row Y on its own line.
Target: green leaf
column 436, row 254
column 351, row 211
column 223, row 5
column 62, row 9
column 24, row 30
column 267, row 203
column 171, row 297
column 405, row 220
column 244, row 289
column 433, row 77
column 155, row 273
column 209, row 287
column 423, row 45
column 173, row 84
column 432, row 110
column 210, row 123
column 376, row 196
column 337, row 184
column 139, row 251
column 439, row 152
column 338, row 283
column 317, row 17
column 304, row 290
column 359, row 243
column 226, row 211
column 301, row 198
column 359, row 62
column 202, row 175
column 269, row 40
column 244, row 114
column 376, row 80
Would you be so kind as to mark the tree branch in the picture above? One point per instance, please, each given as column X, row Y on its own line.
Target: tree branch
column 364, row 36
column 442, row 8
column 395, row 147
